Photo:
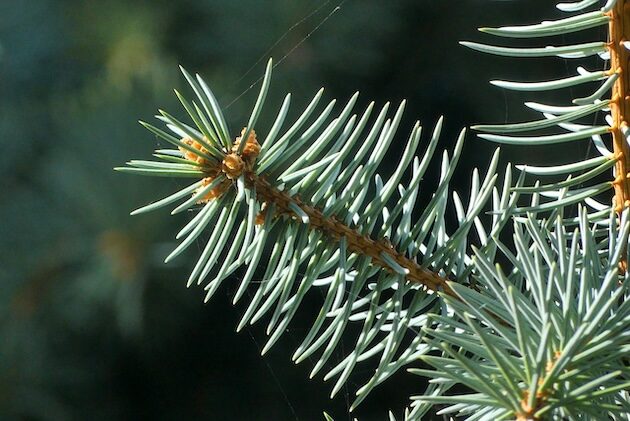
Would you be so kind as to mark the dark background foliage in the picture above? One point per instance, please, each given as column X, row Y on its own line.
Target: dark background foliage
column 93, row 324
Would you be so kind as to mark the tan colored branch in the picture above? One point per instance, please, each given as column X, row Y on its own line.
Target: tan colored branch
column 619, row 32
column 357, row 243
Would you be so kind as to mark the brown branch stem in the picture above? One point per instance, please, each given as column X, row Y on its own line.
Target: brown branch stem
column 357, row 242
column 619, row 32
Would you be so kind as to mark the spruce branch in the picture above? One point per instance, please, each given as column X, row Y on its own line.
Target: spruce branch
column 312, row 192
column 546, row 339
column 561, row 354
column 610, row 140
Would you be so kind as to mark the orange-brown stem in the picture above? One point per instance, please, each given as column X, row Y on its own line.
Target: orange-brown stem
column 619, row 32
column 357, row 242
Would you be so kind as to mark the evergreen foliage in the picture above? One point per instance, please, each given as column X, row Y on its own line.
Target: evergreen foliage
column 546, row 341
column 334, row 223
column 343, row 227
column 549, row 340
column 582, row 183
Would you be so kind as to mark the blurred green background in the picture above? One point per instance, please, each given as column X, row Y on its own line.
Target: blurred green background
column 93, row 324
